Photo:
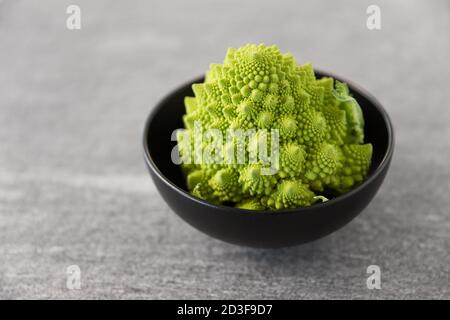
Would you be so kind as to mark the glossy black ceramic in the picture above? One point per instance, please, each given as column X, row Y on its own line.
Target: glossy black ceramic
column 262, row 228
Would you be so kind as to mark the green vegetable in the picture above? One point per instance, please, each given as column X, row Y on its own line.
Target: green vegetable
column 320, row 133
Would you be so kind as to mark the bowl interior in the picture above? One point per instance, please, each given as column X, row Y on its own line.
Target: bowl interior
column 167, row 116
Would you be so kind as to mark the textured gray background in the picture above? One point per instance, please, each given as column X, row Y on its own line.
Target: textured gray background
column 74, row 189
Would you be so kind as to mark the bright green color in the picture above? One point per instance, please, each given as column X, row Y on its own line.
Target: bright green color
column 321, row 131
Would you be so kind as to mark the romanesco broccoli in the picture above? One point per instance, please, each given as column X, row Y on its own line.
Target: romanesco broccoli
column 321, row 132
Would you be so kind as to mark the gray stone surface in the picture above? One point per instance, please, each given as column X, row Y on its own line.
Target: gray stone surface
column 74, row 189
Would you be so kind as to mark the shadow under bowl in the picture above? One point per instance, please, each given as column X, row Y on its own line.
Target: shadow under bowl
column 268, row 229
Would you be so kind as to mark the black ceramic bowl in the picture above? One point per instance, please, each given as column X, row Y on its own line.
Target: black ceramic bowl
column 262, row 228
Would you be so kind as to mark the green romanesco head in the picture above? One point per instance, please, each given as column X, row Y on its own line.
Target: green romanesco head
column 318, row 141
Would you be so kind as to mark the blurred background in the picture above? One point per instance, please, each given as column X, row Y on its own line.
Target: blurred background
column 74, row 189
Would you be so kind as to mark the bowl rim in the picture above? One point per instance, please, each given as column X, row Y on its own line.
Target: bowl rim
column 355, row 87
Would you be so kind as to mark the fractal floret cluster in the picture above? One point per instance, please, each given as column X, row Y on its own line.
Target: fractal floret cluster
column 319, row 124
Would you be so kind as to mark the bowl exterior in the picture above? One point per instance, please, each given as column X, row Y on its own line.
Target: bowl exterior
column 268, row 229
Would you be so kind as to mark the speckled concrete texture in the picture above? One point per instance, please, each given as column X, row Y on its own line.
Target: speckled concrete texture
column 74, row 189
